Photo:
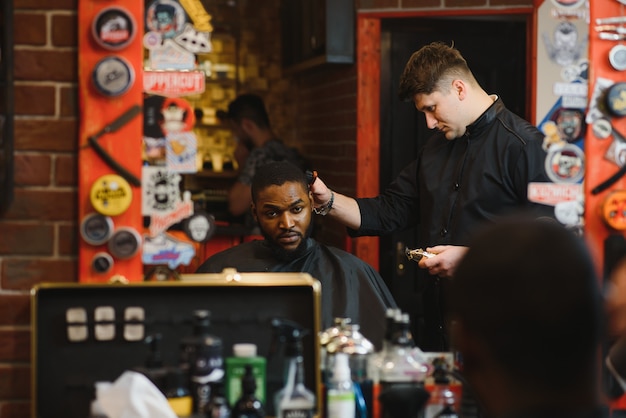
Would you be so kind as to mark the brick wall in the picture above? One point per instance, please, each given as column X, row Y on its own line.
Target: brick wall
column 314, row 111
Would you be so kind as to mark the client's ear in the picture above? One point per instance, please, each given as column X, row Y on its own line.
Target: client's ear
column 253, row 211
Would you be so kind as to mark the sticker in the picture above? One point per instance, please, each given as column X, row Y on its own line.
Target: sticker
column 102, row 263
column 165, row 249
column 566, row 47
column 111, row 195
column 152, row 40
column 569, row 213
column 178, row 116
column 568, row 4
column 160, row 222
column 154, row 151
column 96, row 229
column 597, row 102
column 171, row 56
column 197, row 12
column 113, row 28
column 113, row 76
column 617, row 57
column 552, row 137
column 565, row 164
column 578, row 72
column 613, row 210
column 165, row 17
column 200, row 226
column 160, row 190
column 553, row 193
column 602, row 128
column 174, row 83
column 125, row 243
column 181, row 152
column 616, row 152
column 616, row 99
column 194, row 41
column 570, row 123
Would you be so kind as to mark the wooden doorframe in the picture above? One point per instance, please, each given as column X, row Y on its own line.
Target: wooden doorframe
column 368, row 101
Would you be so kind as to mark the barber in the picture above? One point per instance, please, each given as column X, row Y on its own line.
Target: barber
column 475, row 169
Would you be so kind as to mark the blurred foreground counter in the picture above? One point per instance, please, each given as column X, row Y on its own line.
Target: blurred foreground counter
column 88, row 333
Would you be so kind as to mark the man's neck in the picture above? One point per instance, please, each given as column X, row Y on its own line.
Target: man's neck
column 262, row 137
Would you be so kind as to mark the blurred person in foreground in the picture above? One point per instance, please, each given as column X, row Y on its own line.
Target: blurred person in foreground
column 528, row 319
column 615, row 356
column 282, row 206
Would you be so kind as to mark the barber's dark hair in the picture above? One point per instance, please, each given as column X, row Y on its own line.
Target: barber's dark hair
column 277, row 173
column 249, row 106
column 528, row 290
column 429, row 66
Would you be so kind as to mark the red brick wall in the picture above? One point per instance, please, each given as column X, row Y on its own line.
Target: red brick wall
column 314, row 111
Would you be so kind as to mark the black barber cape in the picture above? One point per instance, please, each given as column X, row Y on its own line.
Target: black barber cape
column 351, row 288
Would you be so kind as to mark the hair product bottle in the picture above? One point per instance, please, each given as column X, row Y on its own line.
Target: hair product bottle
column 341, row 400
column 243, row 355
column 248, row 405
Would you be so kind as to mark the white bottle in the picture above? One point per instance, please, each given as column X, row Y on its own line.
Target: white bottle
column 341, row 401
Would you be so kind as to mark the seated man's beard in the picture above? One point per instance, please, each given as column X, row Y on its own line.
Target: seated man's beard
column 288, row 255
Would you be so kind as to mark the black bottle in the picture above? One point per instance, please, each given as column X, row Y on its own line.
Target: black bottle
column 201, row 356
column 248, row 406
column 218, row 406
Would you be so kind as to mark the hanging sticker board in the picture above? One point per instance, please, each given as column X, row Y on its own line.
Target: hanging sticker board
column 605, row 146
column 110, row 134
column 560, row 83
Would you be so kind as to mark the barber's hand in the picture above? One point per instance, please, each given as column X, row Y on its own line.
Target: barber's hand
column 321, row 193
column 616, row 300
column 444, row 263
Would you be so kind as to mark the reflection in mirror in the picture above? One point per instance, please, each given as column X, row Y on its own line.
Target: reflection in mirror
column 6, row 105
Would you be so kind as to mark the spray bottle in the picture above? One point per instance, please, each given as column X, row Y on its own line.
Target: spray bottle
column 294, row 399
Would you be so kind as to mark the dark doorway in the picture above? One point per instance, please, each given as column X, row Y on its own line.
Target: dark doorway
column 496, row 51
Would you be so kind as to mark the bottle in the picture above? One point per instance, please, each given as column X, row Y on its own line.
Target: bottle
column 402, row 376
column 442, row 401
column 153, row 367
column 201, row 355
column 248, row 405
column 341, row 400
column 375, row 363
column 347, row 339
column 218, row 406
column 244, row 354
column 294, row 399
column 177, row 392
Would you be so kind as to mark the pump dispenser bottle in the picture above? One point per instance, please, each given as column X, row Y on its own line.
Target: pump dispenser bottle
column 341, row 400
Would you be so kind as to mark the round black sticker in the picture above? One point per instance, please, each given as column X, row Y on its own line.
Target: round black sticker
column 113, row 76
column 101, row 262
column 113, row 28
column 96, row 228
column 125, row 243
